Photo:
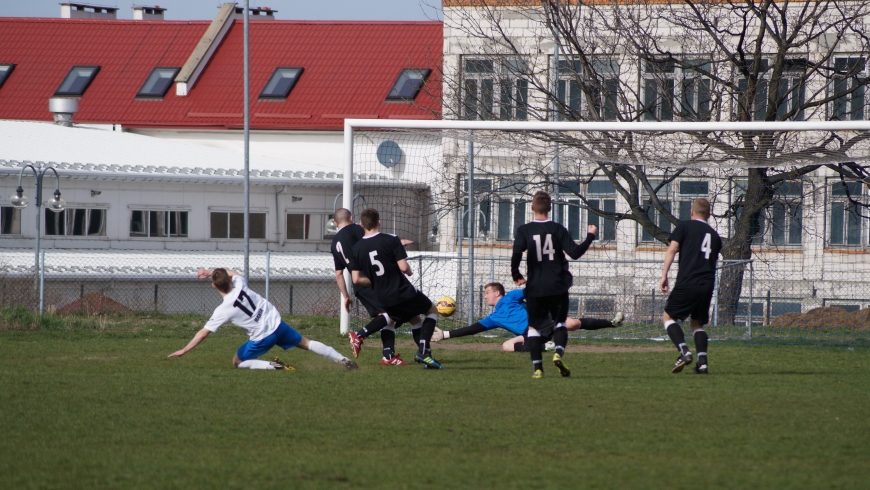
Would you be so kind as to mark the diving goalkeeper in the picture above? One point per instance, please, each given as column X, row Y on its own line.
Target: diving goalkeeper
column 510, row 314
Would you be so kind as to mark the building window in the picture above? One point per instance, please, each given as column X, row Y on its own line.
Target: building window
column 848, row 88
column 10, row 221
column 785, row 215
column 409, row 84
column 689, row 191
column 495, row 90
column 695, row 91
column 5, row 71
column 482, row 208
column 281, row 83
column 76, row 222
column 604, row 93
column 77, row 81
column 575, row 87
column 511, row 215
column 298, row 226
column 152, row 224
column 755, row 107
column 658, row 90
column 791, row 93
column 569, row 91
column 848, row 213
column 659, row 218
column 661, row 90
column 601, row 195
column 158, row 82
column 232, row 225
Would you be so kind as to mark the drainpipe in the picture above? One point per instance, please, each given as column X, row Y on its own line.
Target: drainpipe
column 280, row 236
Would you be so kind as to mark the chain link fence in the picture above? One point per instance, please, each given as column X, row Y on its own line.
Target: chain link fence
column 777, row 301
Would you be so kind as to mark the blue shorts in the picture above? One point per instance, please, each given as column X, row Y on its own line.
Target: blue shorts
column 284, row 336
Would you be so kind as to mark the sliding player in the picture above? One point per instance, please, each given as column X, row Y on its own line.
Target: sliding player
column 348, row 235
column 244, row 308
column 699, row 246
column 549, row 279
column 510, row 314
column 379, row 261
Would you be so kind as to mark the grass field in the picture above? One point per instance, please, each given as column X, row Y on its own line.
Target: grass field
column 94, row 403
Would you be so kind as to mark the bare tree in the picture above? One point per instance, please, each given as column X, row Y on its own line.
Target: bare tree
column 677, row 60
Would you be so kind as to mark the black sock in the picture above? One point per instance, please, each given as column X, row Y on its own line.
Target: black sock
column 675, row 332
column 521, row 347
column 373, row 326
column 535, row 353
column 701, row 346
column 426, row 332
column 388, row 337
column 415, row 332
column 560, row 338
column 594, row 324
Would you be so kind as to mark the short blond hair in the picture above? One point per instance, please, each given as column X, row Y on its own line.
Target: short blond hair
column 701, row 208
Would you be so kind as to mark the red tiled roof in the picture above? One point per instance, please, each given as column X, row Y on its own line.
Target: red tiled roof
column 349, row 69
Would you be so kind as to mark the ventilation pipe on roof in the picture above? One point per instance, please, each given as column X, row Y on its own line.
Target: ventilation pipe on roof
column 203, row 52
column 69, row 10
column 144, row 12
column 63, row 110
column 258, row 13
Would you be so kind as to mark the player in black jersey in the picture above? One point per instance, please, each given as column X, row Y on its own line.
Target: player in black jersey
column 549, row 279
column 699, row 246
column 379, row 260
column 348, row 235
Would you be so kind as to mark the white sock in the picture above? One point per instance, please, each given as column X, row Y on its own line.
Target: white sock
column 325, row 351
column 256, row 364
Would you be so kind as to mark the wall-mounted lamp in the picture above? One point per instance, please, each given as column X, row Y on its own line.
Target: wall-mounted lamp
column 295, row 198
column 96, row 193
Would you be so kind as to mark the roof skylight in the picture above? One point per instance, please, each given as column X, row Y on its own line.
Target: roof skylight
column 158, row 82
column 408, row 84
column 77, row 80
column 5, row 71
column 281, row 82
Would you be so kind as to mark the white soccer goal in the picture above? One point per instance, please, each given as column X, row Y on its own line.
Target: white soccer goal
column 792, row 197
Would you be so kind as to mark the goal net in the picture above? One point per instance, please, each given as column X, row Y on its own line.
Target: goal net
column 790, row 200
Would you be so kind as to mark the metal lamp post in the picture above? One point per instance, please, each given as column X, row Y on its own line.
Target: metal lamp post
column 56, row 204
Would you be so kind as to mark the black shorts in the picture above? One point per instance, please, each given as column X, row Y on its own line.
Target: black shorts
column 546, row 336
column 544, row 310
column 406, row 310
column 691, row 301
column 369, row 300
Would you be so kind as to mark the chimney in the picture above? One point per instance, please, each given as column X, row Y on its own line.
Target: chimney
column 144, row 12
column 63, row 110
column 85, row 11
column 257, row 13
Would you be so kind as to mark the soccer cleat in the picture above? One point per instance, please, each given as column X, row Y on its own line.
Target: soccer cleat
column 278, row 365
column 356, row 343
column 428, row 361
column 349, row 364
column 618, row 319
column 396, row 360
column 550, row 346
column 538, row 374
column 563, row 369
column 701, row 369
column 682, row 361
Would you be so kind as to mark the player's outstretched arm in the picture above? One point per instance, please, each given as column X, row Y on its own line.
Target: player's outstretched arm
column 202, row 334
column 342, row 286
column 673, row 248
column 575, row 250
column 460, row 332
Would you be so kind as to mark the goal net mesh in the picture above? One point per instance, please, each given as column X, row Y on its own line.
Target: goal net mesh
column 791, row 206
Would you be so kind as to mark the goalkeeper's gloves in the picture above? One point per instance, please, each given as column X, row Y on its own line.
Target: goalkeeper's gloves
column 439, row 335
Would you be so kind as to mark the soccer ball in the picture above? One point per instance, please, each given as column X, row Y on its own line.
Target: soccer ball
column 446, row 306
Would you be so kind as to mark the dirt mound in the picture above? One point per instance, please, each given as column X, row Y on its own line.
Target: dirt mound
column 94, row 303
column 825, row 317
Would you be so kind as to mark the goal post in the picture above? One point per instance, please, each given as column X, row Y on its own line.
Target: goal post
column 459, row 188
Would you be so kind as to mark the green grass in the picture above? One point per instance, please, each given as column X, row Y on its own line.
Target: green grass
column 91, row 402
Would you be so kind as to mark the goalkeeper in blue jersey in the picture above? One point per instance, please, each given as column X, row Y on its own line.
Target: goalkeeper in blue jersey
column 510, row 314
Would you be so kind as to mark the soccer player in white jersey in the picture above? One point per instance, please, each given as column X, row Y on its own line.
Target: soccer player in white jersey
column 248, row 310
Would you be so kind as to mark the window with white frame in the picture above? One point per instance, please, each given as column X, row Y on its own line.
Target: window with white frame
column 10, row 220
column 604, row 90
column 76, row 222
column 569, row 91
column 659, row 218
column 306, row 226
column 511, row 215
column 567, row 211
column 781, row 223
column 848, row 218
column 848, row 87
column 687, row 192
column 482, row 208
column 231, row 225
column 790, row 95
column 494, row 89
column 601, row 195
column 672, row 89
column 158, row 224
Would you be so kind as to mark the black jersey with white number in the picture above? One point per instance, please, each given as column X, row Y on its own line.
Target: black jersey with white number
column 546, row 244
column 343, row 243
column 699, row 248
column 376, row 257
